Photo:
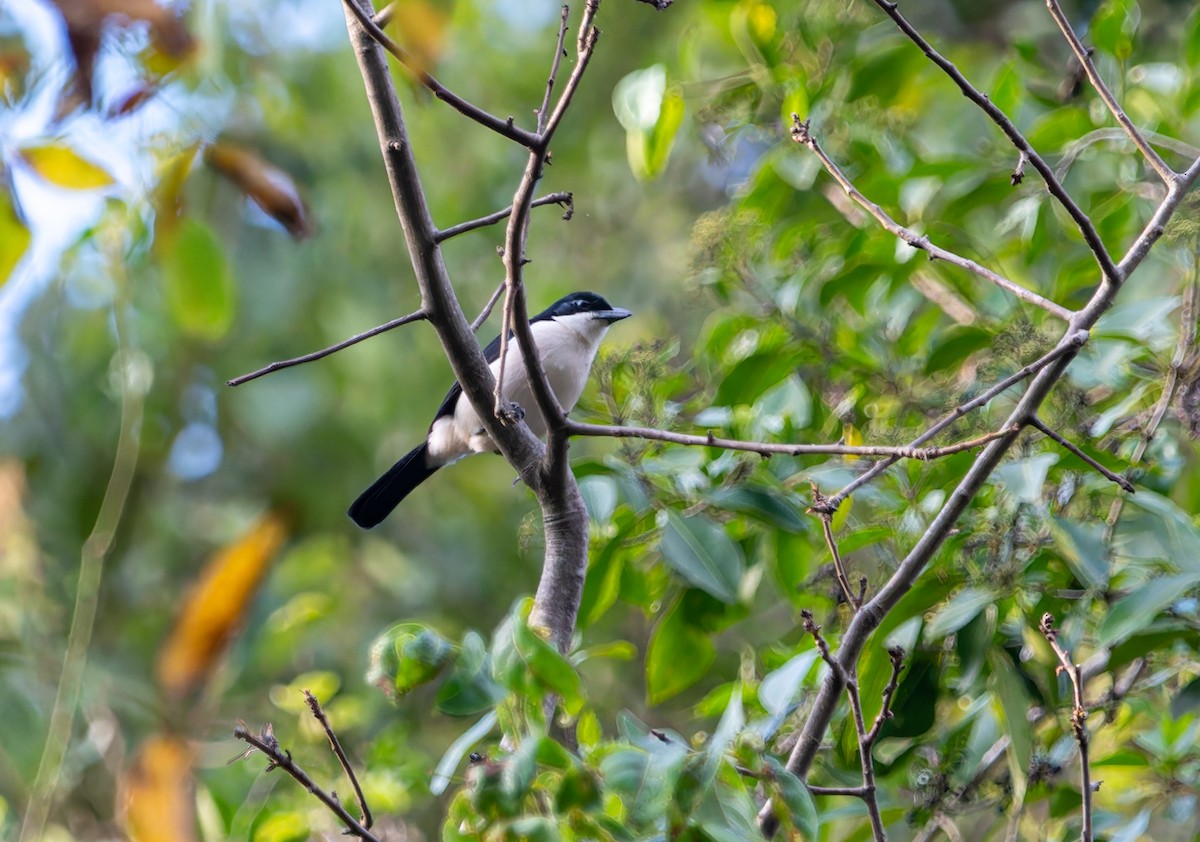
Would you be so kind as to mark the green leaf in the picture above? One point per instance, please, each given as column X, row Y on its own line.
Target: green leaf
column 602, row 585
column 1007, row 89
column 747, row 381
column 801, row 811
column 532, row 829
column 778, row 688
column 677, row 657
column 1025, row 478
column 1114, row 25
column 1009, row 690
column 579, row 789
column 62, row 166
column 1082, row 546
column 1187, row 700
column 733, row 720
column 1138, row 609
column 1165, row 531
column 644, row 780
column 470, row 688
column 767, row 505
column 199, row 286
column 958, row 611
column 702, row 553
column 549, row 667
column 1192, row 47
column 955, row 346
column 406, row 656
column 14, row 235
column 458, row 749
column 651, row 113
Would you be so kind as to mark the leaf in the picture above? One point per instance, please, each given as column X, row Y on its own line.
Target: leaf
column 470, row 688
column 450, row 760
column 643, row 779
column 406, row 656
column 1187, row 700
column 199, row 286
column 778, row 688
column 651, row 113
column 1007, row 90
column 1114, row 25
column 677, row 656
column 702, row 553
column 549, row 666
column 60, row 165
column 265, row 184
column 1138, row 609
column 1007, row 686
column 771, row 507
column 956, row 345
column 216, row 605
column 733, row 720
column 14, row 234
column 155, row 797
column 798, row 801
column 958, row 611
column 1082, row 547
column 1025, row 478
column 420, row 27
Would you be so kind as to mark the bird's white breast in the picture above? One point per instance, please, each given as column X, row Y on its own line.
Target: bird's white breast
column 566, row 344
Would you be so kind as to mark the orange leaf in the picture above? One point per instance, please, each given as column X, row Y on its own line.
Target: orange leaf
column 265, row 184
column 155, row 796
column 216, row 605
column 420, row 27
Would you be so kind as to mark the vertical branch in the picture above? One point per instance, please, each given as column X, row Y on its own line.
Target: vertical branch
column 1078, row 718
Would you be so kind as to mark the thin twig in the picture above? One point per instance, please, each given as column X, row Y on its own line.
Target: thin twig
column 763, row 448
column 1111, row 272
column 419, row 315
column 1018, row 173
column 279, row 759
column 851, row 791
column 802, row 134
column 559, row 52
column 1078, row 718
column 467, row 109
column 839, row 568
column 1068, row 345
column 563, row 199
column 896, row 654
column 502, row 409
column 336, row 745
column 487, row 308
column 1084, row 57
column 1184, row 348
column 1040, row 425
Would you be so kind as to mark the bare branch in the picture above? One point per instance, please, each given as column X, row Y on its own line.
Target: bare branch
column 1082, row 221
column 577, row 428
column 487, row 308
column 1078, row 718
column 1084, row 57
column 563, row 199
column 336, row 745
column 419, row 315
column 1125, row 484
column 279, row 759
column 501, row 127
column 802, row 134
column 543, row 112
column 839, row 568
column 851, row 791
column 896, row 654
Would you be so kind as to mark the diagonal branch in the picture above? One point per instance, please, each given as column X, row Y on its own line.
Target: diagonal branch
column 1041, row 426
column 565, row 200
column 505, row 128
column 1084, row 57
column 1110, row 271
column 419, row 315
column 801, row 134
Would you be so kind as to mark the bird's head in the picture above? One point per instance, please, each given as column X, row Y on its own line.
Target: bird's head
column 588, row 305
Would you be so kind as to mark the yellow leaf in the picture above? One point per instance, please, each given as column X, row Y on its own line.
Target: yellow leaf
column 852, row 437
column 216, row 605
column 420, row 27
column 14, row 236
column 155, row 796
column 63, row 166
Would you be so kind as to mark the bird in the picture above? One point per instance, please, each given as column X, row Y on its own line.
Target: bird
column 567, row 335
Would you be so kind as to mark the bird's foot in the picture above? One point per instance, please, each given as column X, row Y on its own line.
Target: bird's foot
column 511, row 414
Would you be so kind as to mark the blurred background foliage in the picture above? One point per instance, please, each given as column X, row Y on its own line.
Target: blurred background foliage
column 189, row 194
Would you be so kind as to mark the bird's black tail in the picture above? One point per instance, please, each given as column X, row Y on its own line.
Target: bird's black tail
column 377, row 502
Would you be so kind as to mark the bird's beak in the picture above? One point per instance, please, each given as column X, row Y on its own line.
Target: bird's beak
column 613, row 315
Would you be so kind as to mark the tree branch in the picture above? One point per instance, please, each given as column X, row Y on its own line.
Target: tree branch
column 505, row 128
column 1078, row 718
column 1084, row 57
column 336, row 745
column 1039, row 425
column 417, row 316
column 802, row 134
column 563, row 199
column 279, row 759
column 1082, row 221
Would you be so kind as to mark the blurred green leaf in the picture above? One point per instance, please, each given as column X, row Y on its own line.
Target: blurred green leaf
column 199, row 287
column 677, row 657
column 1114, row 26
column 469, row 689
column 801, row 810
column 406, row 656
column 959, row 611
column 1138, row 609
column 702, row 553
column 1007, row 687
column 458, row 749
column 1082, row 546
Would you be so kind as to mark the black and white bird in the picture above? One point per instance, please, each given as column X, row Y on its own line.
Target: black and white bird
column 567, row 335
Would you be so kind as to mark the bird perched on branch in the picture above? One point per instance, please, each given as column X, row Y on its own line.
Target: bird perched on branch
column 567, row 335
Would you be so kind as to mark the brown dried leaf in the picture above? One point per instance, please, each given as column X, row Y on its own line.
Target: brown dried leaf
column 214, row 609
column 265, row 184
